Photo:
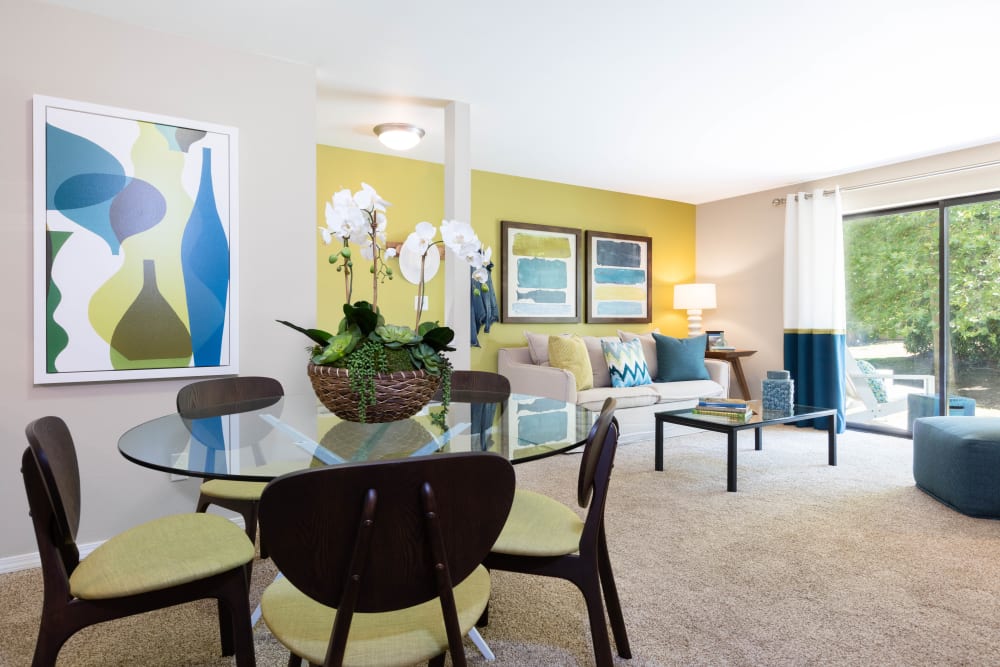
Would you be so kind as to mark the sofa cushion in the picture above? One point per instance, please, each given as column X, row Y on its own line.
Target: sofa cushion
column 626, row 363
column 648, row 347
column 598, row 364
column 680, row 359
column 627, row 397
column 686, row 390
column 538, row 348
column 569, row 353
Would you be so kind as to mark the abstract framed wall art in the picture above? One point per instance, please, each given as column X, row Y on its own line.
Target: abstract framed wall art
column 135, row 245
column 619, row 286
column 540, row 274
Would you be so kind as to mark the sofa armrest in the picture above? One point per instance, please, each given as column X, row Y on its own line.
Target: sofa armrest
column 514, row 363
column 719, row 370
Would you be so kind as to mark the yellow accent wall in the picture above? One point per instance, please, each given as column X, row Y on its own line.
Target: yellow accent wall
column 416, row 190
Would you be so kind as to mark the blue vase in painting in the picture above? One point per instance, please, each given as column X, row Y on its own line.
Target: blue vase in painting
column 205, row 265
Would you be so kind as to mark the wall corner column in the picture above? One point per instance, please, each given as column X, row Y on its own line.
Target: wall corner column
column 457, row 206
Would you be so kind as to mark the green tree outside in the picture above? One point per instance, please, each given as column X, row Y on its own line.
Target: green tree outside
column 892, row 280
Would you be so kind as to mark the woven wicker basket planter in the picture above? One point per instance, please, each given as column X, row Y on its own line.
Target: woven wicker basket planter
column 397, row 395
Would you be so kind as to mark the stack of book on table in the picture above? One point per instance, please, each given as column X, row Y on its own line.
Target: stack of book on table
column 735, row 409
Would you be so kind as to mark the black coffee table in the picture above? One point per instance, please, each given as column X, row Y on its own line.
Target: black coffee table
column 760, row 419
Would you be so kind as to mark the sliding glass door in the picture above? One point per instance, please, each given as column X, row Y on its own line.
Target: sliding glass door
column 906, row 267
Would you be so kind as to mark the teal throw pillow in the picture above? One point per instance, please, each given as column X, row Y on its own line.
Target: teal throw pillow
column 680, row 358
column 626, row 363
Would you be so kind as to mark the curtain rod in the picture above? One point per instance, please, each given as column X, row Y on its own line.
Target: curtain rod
column 780, row 201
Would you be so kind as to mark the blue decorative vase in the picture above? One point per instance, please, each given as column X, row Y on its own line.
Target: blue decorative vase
column 777, row 391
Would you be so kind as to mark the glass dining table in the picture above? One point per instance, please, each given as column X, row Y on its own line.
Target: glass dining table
column 265, row 438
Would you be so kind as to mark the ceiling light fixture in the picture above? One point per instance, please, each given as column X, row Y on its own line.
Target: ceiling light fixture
column 399, row 136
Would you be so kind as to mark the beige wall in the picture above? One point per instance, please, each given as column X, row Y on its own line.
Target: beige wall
column 740, row 242
column 53, row 51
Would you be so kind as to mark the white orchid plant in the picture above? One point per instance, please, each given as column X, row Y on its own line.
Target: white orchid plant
column 364, row 343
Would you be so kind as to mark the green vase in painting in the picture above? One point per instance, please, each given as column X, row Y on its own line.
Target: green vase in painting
column 150, row 334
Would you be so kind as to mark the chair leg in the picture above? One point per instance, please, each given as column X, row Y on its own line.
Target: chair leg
column 226, row 627
column 611, row 598
column 50, row 642
column 591, row 590
column 236, row 602
column 436, row 661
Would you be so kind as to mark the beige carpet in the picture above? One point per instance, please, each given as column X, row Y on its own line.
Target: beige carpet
column 806, row 565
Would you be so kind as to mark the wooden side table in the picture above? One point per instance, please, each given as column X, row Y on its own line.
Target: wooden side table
column 733, row 357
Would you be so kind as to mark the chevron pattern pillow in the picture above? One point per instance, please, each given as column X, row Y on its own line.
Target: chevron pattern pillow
column 626, row 362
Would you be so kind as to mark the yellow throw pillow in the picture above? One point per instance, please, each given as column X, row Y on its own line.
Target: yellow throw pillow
column 570, row 353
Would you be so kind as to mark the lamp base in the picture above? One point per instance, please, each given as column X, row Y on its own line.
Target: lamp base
column 694, row 322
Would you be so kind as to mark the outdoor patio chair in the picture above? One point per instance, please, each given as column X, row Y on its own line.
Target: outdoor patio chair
column 877, row 390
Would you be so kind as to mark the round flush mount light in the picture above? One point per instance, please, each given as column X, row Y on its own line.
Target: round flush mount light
column 399, row 136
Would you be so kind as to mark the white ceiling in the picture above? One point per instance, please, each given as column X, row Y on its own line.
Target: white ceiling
column 688, row 101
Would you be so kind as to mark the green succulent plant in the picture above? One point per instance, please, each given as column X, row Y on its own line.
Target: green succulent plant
column 366, row 346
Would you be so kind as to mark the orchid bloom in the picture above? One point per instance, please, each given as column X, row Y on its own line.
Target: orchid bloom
column 456, row 234
column 359, row 218
column 480, row 275
column 420, row 238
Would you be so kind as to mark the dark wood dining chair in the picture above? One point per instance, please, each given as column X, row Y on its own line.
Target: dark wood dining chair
column 211, row 398
column 483, row 391
column 382, row 561
column 476, row 386
column 157, row 564
column 544, row 537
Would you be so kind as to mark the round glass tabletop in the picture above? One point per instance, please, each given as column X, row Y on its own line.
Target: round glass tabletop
column 261, row 440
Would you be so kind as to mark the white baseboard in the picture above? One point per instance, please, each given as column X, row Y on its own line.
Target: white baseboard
column 31, row 560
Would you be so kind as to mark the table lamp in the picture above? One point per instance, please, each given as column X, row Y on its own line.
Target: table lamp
column 694, row 297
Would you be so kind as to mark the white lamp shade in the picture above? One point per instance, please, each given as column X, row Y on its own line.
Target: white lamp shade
column 694, row 296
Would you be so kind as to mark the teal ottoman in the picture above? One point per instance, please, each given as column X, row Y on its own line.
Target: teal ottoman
column 957, row 461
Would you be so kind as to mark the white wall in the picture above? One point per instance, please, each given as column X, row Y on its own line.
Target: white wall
column 53, row 51
column 740, row 243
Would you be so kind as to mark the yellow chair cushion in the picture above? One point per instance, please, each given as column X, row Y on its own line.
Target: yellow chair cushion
column 400, row 637
column 539, row 526
column 237, row 490
column 159, row 554
column 232, row 489
column 570, row 353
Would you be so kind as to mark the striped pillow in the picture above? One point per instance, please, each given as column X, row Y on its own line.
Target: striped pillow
column 626, row 362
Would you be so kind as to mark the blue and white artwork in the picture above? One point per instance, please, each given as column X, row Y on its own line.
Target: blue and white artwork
column 134, row 240
column 540, row 273
column 618, row 287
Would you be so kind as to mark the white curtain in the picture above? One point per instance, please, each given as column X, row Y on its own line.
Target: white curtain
column 815, row 314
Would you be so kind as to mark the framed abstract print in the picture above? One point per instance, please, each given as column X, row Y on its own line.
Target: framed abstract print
column 619, row 285
column 135, row 245
column 540, row 273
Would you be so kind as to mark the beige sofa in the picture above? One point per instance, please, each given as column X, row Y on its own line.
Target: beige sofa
column 636, row 405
